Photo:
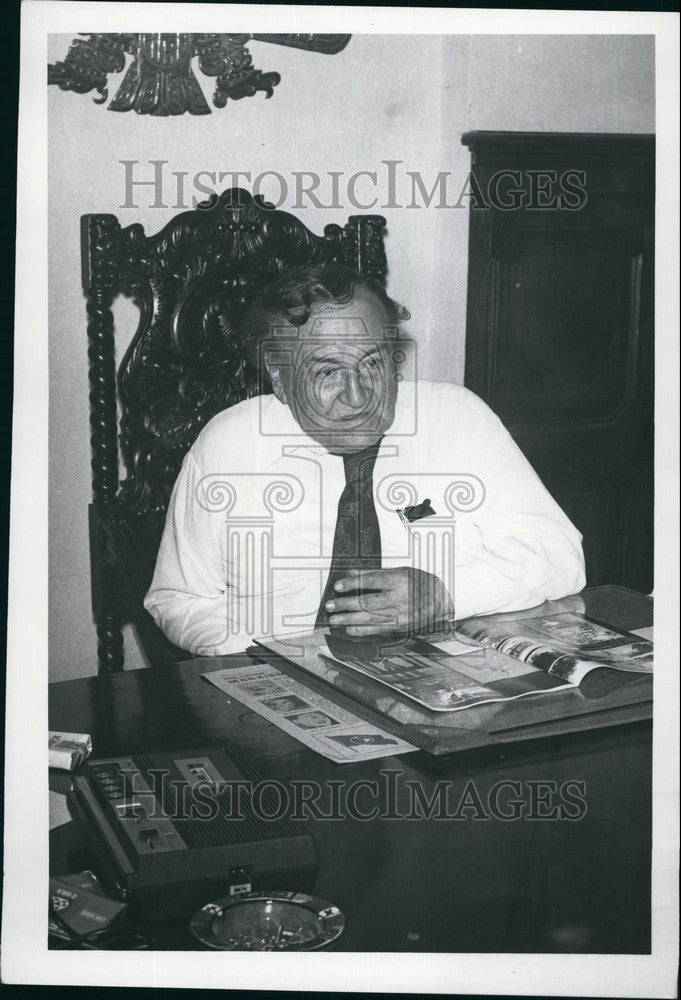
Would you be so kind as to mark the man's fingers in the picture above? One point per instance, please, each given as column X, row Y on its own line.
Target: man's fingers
column 368, row 579
column 360, row 631
column 389, row 620
column 363, row 601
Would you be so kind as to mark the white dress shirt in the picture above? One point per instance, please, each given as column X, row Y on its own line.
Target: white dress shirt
column 249, row 534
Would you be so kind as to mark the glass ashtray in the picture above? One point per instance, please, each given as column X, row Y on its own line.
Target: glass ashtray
column 268, row 921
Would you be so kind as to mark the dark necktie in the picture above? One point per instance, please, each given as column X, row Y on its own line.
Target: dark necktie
column 357, row 540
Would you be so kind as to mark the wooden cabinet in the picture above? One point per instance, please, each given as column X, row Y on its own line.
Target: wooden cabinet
column 559, row 335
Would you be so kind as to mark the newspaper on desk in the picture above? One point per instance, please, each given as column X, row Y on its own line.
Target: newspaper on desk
column 308, row 716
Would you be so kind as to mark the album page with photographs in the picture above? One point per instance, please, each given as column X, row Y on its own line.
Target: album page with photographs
column 568, row 645
column 315, row 721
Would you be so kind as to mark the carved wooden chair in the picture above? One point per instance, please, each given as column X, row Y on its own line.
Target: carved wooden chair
column 190, row 281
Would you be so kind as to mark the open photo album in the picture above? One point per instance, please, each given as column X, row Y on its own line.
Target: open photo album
column 481, row 660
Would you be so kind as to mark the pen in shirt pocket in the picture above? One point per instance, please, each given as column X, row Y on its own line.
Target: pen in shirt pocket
column 408, row 515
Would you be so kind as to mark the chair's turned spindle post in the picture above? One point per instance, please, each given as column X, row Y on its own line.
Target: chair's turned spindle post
column 110, row 645
column 363, row 246
column 102, row 376
column 99, row 278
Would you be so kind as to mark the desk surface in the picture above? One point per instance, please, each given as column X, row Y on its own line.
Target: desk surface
column 482, row 884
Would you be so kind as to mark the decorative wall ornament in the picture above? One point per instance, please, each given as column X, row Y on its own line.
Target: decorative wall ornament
column 160, row 79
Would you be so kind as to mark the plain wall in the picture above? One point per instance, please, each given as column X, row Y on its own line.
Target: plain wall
column 399, row 97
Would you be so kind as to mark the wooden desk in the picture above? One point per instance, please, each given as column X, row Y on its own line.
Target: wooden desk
column 452, row 885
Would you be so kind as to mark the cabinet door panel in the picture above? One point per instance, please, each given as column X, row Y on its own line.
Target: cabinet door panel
column 560, row 334
column 566, row 328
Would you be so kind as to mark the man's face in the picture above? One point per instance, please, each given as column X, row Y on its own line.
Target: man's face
column 340, row 382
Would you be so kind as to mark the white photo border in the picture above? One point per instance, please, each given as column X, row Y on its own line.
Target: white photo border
column 26, row 958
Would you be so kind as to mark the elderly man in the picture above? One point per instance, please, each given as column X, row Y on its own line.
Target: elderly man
column 352, row 496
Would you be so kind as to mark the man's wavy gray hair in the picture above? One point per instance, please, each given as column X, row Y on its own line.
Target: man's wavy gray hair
column 294, row 296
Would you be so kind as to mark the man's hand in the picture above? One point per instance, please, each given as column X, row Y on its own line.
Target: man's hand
column 389, row 600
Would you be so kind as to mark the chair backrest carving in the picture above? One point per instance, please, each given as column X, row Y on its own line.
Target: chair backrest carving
column 191, row 281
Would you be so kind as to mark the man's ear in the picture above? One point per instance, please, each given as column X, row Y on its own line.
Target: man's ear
column 277, row 383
